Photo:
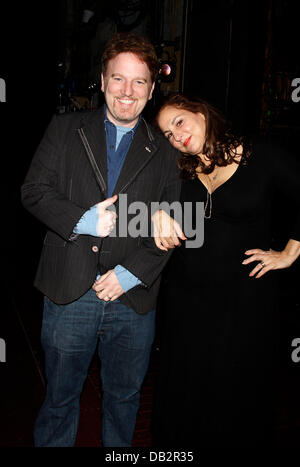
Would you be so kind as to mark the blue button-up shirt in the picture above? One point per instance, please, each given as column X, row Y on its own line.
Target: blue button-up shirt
column 118, row 140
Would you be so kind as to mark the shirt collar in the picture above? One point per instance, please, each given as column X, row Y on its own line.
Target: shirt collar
column 132, row 130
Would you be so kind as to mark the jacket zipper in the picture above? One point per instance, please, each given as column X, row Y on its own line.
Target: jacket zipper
column 97, row 172
column 91, row 157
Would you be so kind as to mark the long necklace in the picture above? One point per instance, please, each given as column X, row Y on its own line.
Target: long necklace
column 210, row 184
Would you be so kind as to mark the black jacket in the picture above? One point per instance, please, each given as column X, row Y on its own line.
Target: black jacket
column 61, row 185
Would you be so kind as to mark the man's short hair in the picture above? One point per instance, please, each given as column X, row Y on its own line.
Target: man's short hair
column 133, row 43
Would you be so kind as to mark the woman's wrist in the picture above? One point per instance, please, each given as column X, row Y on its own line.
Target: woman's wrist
column 292, row 249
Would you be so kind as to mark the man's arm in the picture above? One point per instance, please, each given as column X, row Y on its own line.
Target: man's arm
column 40, row 192
column 98, row 221
column 114, row 283
column 148, row 261
column 119, row 282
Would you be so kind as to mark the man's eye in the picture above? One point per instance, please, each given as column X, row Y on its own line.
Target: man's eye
column 140, row 82
column 116, row 78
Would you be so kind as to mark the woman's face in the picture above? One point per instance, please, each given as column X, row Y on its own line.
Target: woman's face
column 184, row 129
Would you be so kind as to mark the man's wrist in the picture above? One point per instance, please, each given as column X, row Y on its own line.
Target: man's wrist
column 126, row 279
column 87, row 224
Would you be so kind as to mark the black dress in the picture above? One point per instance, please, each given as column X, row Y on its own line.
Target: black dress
column 217, row 381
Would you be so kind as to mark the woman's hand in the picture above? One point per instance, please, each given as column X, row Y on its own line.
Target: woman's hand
column 269, row 260
column 166, row 231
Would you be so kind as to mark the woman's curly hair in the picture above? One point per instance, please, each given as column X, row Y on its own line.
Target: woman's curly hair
column 220, row 146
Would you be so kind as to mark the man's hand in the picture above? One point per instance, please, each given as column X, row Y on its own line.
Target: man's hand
column 107, row 287
column 106, row 219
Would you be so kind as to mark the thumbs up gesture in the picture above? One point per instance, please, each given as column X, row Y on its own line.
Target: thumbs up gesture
column 106, row 218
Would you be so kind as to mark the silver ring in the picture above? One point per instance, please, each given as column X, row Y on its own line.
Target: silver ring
column 262, row 264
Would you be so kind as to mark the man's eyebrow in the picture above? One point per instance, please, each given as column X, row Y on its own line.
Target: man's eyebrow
column 120, row 74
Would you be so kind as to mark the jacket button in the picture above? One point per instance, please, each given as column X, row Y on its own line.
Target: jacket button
column 95, row 249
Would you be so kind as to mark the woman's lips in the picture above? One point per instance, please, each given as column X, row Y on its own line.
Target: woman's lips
column 187, row 141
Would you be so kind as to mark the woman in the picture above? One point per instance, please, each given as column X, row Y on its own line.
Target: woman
column 217, row 379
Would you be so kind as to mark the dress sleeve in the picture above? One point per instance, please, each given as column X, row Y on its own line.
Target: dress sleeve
column 285, row 170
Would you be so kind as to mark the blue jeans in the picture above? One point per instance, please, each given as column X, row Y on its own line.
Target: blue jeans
column 70, row 335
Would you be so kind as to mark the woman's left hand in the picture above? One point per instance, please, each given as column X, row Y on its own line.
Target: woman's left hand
column 267, row 261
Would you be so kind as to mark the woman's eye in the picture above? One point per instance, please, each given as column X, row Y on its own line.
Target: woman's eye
column 168, row 136
column 179, row 123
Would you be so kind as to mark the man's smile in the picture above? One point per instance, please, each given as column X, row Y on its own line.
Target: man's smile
column 125, row 101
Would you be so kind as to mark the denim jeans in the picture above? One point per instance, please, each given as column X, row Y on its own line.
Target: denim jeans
column 70, row 335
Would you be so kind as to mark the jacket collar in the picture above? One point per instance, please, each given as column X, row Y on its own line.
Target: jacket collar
column 142, row 149
column 93, row 126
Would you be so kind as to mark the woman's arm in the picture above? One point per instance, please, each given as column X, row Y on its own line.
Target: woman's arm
column 269, row 260
column 166, row 231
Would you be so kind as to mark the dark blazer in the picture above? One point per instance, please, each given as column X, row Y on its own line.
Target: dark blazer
column 61, row 185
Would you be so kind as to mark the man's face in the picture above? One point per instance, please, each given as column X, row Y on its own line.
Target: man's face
column 127, row 87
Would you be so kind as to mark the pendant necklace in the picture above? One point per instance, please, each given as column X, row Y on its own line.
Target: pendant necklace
column 210, row 183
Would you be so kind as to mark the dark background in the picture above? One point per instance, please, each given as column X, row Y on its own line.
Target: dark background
column 239, row 55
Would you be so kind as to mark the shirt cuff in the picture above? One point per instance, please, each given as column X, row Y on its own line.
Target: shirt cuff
column 87, row 224
column 126, row 279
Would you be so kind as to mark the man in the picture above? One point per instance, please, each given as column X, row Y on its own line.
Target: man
column 100, row 289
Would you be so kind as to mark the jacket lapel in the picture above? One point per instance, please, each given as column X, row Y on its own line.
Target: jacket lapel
column 94, row 130
column 140, row 152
